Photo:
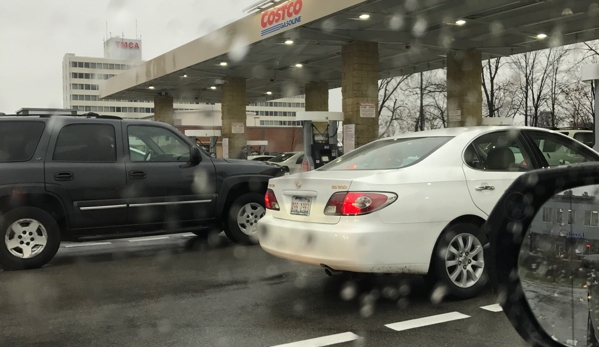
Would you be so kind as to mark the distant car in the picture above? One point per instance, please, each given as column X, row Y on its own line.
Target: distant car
column 260, row 157
column 409, row 204
column 582, row 135
column 291, row 160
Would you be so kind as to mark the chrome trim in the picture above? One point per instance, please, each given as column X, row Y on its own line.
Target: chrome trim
column 301, row 193
column 167, row 203
column 107, row 207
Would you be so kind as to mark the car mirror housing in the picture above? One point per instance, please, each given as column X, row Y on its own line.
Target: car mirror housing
column 196, row 155
column 543, row 234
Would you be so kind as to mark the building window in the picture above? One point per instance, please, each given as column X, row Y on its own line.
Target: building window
column 73, row 64
column 571, row 216
column 92, row 65
column 559, row 218
column 591, row 218
column 547, row 214
column 86, row 65
column 79, row 64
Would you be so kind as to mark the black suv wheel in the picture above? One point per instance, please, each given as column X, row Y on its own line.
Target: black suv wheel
column 244, row 214
column 29, row 238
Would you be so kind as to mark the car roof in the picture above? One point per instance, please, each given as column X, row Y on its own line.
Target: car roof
column 472, row 131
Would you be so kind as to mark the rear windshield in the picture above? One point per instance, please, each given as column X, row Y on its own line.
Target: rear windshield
column 388, row 154
column 281, row 157
column 18, row 140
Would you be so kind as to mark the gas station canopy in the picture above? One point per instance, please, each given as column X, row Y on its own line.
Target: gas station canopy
column 283, row 45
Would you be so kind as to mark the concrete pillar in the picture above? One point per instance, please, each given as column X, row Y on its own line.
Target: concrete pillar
column 317, row 99
column 317, row 96
column 360, row 68
column 234, row 101
column 464, row 88
column 163, row 109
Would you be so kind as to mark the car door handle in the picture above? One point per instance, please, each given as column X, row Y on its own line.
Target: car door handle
column 63, row 176
column 137, row 175
column 481, row 188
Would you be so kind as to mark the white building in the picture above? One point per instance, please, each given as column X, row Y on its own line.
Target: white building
column 83, row 75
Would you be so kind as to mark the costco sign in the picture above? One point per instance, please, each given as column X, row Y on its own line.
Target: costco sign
column 281, row 17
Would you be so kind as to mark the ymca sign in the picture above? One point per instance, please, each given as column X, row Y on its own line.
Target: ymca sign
column 128, row 45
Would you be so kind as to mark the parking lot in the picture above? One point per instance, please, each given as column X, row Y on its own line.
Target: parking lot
column 181, row 290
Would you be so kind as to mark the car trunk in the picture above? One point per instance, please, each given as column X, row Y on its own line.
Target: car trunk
column 312, row 190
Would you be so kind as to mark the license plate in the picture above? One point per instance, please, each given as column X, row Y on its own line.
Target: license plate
column 300, row 206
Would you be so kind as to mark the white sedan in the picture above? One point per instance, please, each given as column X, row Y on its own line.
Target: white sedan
column 409, row 204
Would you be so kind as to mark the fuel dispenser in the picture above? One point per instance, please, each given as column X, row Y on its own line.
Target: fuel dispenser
column 208, row 147
column 319, row 148
column 590, row 73
column 256, row 147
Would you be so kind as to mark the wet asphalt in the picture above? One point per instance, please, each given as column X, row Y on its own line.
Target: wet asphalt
column 188, row 291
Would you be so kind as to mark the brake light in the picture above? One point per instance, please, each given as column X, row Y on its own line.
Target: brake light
column 357, row 203
column 270, row 200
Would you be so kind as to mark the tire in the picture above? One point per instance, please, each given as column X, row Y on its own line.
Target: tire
column 460, row 266
column 244, row 213
column 17, row 228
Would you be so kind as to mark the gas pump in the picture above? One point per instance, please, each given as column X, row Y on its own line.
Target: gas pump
column 319, row 148
column 256, row 147
column 212, row 134
column 590, row 73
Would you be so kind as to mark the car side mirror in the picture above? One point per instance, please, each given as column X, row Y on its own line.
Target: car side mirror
column 196, row 155
column 543, row 258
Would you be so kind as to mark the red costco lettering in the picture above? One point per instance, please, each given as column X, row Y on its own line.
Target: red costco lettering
column 281, row 13
column 129, row 45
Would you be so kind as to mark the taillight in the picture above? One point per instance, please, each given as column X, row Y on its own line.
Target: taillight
column 270, row 200
column 357, row 203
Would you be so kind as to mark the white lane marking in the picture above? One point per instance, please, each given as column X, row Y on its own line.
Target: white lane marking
column 323, row 341
column 187, row 235
column 426, row 321
column 149, row 239
column 88, row 244
column 493, row 308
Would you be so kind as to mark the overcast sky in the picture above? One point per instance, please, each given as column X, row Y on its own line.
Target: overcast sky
column 37, row 33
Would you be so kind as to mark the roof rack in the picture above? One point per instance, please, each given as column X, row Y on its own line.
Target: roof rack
column 85, row 115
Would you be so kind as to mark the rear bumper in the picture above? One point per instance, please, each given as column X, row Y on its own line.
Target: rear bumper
column 356, row 244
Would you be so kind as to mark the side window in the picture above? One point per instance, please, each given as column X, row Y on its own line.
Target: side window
column 300, row 159
column 86, row 143
column 18, row 140
column 559, row 150
column 500, row 151
column 156, row 144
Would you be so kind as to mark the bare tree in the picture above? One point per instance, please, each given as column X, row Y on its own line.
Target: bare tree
column 489, row 76
column 389, row 103
column 533, row 73
column 556, row 57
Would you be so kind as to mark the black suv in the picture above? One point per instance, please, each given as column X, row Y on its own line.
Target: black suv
column 90, row 177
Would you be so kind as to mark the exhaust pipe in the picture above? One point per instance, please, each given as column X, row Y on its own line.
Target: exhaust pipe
column 329, row 271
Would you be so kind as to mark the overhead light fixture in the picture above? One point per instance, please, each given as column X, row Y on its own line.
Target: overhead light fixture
column 299, row 65
column 184, row 76
column 224, row 63
column 289, row 42
column 213, row 87
column 541, row 36
column 261, row 5
column 151, row 87
column 364, row 16
column 268, row 93
column 460, row 22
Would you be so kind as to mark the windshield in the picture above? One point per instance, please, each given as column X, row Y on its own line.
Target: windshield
column 281, row 158
column 388, row 154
